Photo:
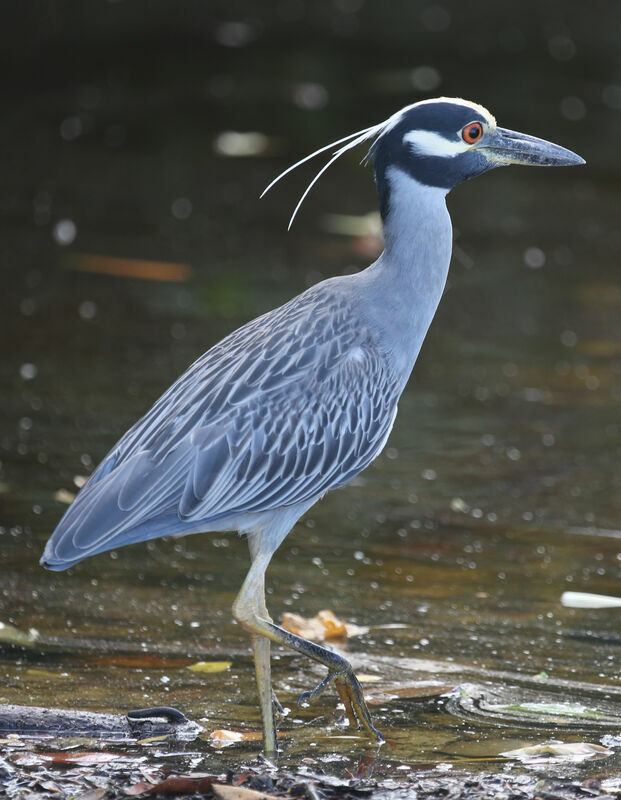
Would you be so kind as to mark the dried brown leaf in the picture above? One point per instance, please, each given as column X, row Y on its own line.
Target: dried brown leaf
column 92, row 794
column 224, row 738
column 82, row 759
column 183, row 784
column 227, row 792
column 50, row 786
column 558, row 749
column 324, row 626
column 137, row 788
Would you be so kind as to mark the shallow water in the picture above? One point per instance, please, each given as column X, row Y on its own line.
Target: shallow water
column 498, row 491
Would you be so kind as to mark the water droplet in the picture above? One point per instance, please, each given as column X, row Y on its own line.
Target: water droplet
column 436, row 18
column 70, row 128
column 573, row 108
column 611, row 95
column 534, row 257
column 569, row 338
column 561, row 47
column 311, row 96
column 64, row 232
column 234, row 34
column 87, row 309
column 28, row 371
column 425, row 78
column 181, row 208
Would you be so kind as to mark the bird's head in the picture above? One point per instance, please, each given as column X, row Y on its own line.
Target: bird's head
column 445, row 141
column 440, row 143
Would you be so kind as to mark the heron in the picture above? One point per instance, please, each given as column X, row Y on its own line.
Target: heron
column 298, row 401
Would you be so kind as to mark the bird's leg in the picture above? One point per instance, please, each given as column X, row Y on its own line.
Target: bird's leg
column 253, row 602
column 261, row 648
column 249, row 609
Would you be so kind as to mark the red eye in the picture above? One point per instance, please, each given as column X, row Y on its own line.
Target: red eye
column 472, row 132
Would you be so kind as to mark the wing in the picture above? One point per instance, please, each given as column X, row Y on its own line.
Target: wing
column 293, row 404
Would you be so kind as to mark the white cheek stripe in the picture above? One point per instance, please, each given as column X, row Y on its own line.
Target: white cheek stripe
column 428, row 143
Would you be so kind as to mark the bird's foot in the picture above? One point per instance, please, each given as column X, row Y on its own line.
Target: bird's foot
column 350, row 693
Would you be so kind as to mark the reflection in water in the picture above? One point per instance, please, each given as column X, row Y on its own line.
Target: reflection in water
column 498, row 491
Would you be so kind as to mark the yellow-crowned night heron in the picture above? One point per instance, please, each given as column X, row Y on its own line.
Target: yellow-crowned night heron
column 302, row 399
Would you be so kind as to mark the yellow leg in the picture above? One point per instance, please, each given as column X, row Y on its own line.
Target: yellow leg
column 250, row 611
column 261, row 648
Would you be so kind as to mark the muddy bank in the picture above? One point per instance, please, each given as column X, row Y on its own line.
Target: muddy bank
column 260, row 779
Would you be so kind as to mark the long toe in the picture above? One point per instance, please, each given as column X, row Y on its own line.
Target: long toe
column 350, row 694
column 308, row 697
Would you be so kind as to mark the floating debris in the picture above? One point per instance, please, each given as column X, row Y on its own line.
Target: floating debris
column 322, row 627
column 224, row 738
column 9, row 634
column 572, row 751
column 587, row 600
column 210, row 666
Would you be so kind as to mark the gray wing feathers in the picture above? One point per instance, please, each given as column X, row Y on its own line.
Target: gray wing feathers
column 293, row 404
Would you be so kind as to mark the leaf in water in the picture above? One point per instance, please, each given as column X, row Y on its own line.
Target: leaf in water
column 50, row 786
column 86, row 759
column 72, row 742
column 63, row 496
column 586, row 600
column 28, row 759
column 226, row 792
column 569, row 750
column 321, row 627
column 210, row 666
column 140, row 660
column 174, row 784
column 137, row 788
column 363, row 677
column 13, row 740
column 416, row 691
column 47, row 674
column 224, row 738
column 152, row 739
column 11, row 635
column 82, row 759
column 92, row 794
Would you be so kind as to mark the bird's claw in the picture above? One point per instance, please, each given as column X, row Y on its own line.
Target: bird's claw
column 350, row 694
column 308, row 697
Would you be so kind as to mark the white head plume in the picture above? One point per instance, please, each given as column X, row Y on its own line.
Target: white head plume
column 352, row 140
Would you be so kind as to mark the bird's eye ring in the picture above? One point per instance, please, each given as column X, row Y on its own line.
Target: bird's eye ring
column 472, row 132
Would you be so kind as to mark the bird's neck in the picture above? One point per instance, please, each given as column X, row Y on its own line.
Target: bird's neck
column 417, row 229
column 411, row 273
